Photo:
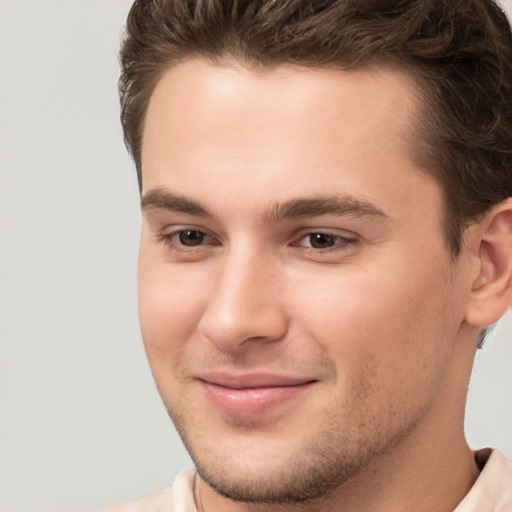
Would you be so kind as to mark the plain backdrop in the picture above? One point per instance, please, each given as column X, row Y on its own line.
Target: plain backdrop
column 81, row 425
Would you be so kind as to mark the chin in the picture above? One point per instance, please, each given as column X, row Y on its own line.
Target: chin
column 273, row 474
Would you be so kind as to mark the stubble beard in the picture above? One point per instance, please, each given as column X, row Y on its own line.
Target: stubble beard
column 325, row 463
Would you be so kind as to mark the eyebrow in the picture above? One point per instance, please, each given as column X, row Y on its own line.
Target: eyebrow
column 340, row 205
column 162, row 199
column 325, row 205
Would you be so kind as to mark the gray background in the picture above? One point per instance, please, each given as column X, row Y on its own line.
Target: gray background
column 81, row 425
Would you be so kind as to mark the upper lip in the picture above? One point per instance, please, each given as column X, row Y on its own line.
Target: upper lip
column 252, row 380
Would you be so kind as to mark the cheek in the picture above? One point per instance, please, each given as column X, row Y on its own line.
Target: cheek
column 170, row 306
column 386, row 347
column 382, row 321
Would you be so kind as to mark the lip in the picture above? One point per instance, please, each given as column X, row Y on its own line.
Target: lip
column 250, row 395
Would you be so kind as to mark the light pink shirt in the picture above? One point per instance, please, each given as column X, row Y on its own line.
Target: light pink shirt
column 492, row 491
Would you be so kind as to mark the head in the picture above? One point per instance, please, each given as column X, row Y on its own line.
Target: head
column 458, row 52
column 316, row 184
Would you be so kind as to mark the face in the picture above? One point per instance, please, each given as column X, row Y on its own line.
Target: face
column 298, row 305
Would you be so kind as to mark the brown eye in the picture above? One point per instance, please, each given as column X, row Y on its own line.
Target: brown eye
column 191, row 237
column 322, row 240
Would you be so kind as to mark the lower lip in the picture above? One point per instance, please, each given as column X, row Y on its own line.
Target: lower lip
column 250, row 402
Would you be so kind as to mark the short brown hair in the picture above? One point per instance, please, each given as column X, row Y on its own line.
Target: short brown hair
column 459, row 52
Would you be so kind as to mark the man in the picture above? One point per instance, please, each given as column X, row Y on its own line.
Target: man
column 327, row 201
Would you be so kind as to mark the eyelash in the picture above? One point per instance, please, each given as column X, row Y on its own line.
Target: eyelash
column 171, row 240
column 340, row 242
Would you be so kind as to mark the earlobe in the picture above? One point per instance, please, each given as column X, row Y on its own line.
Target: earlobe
column 491, row 291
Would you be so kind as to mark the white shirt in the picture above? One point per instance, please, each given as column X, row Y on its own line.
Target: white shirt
column 492, row 491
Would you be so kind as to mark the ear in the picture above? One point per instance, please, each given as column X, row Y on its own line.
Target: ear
column 491, row 292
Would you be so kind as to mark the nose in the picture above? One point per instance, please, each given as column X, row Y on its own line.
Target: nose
column 245, row 303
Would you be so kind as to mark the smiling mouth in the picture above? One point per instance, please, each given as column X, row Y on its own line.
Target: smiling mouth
column 251, row 395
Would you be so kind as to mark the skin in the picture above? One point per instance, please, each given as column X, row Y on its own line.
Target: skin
column 374, row 317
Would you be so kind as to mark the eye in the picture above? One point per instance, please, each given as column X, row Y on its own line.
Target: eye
column 324, row 241
column 191, row 237
column 321, row 240
column 187, row 240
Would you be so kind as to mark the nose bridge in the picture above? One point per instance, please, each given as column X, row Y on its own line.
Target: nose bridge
column 245, row 302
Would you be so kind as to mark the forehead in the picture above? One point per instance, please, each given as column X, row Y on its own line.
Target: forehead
column 203, row 95
column 231, row 126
